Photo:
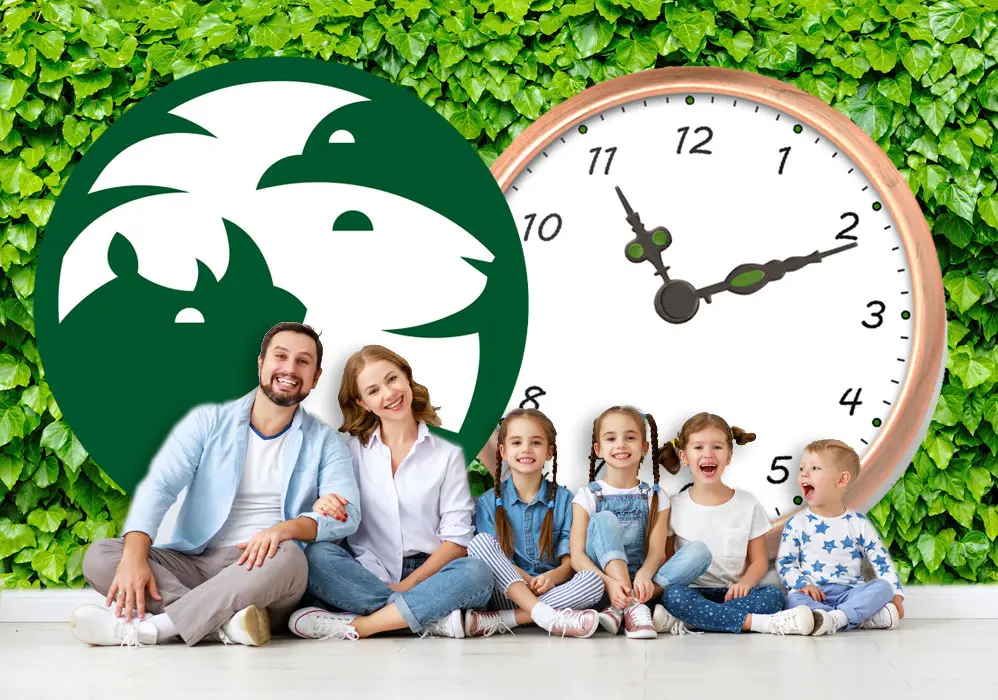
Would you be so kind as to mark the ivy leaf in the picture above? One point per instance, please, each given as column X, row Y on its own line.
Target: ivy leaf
column 11, row 92
column 871, row 111
column 777, row 52
column 529, row 102
column 897, row 89
column 50, row 44
column 957, row 230
column 975, row 370
column 987, row 92
column 916, row 58
column 904, row 495
column 47, row 472
column 13, row 372
column 949, row 407
column 962, row 511
column 950, row 22
column 514, row 9
column 738, row 45
column 964, row 289
column 50, row 564
column 979, row 482
column 47, row 520
column 10, row 470
column 634, row 55
column 590, row 34
column 934, row 112
column 412, row 45
column 932, row 550
column 989, row 516
column 14, row 537
column 881, row 55
column 691, row 26
column 468, row 121
column 987, row 207
column 966, row 59
column 274, row 32
column 940, row 448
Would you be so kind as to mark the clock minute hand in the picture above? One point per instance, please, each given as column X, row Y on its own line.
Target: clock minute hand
column 750, row 278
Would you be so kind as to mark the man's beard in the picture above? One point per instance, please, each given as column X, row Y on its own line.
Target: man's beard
column 283, row 398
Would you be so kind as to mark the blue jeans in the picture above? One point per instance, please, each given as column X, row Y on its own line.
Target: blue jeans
column 340, row 581
column 604, row 543
column 705, row 609
column 857, row 602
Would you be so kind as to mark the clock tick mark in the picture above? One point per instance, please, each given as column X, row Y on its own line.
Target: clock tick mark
column 895, row 381
column 712, row 99
column 777, row 117
column 666, row 99
column 901, row 270
column 777, row 510
column 850, row 171
column 622, row 109
column 757, row 108
column 835, row 154
column 735, row 103
column 563, row 140
column 516, row 188
column 530, row 171
column 900, row 359
column 865, row 188
column 904, row 337
column 905, row 292
column 863, row 441
column 645, row 102
column 897, row 247
column 602, row 118
column 817, row 139
column 887, row 227
column 887, row 402
column 545, row 154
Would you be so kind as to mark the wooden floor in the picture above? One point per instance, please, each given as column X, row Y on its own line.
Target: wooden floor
column 922, row 659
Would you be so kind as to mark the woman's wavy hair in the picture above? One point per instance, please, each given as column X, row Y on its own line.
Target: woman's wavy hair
column 359, row 421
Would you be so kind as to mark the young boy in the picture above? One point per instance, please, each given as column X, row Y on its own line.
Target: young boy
column 823, row 548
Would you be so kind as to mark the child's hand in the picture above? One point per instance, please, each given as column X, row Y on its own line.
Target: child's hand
column 739, row 590
column 814, row 592
column 619, row 594
column 333, row 506
column 897, row 604
column 644, row 589
column 541, row 584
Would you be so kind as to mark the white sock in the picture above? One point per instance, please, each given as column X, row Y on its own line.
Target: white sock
column 840, row 619
column 509, row 618
column 164, row 627
column 761, row 623
column 543, row 614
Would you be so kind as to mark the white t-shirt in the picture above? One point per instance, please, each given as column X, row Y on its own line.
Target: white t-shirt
column 585, row 498
column 257, row 505
column 725, row 529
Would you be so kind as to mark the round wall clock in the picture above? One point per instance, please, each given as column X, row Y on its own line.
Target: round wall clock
column 706, row 239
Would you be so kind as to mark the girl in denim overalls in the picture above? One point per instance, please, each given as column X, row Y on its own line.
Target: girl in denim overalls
column 523, row 535
column 726, row 597
column 620, row 526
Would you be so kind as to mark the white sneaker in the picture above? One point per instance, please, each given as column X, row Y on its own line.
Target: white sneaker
column 574, row 623
column 450, row 626
column 610, row 619
column 316, row 623
column 249, row 627
column 98, row 626
column 665, row 621
column 887, row 618
column 798, row 620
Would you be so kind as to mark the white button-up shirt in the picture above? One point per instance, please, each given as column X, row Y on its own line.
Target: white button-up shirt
column 427, row 502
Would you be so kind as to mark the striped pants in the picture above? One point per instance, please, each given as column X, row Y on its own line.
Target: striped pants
column 582, row 591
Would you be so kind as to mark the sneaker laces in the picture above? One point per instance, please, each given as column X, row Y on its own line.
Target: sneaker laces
column 679, row 627
column 436, row 629
column 784, row 624
column 640, row 615
column 493, row 624
column 566, row 619
column 333, row 628
column 129, row 632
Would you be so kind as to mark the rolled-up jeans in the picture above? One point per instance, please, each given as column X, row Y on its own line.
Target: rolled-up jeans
column 339, row 581
column 604, row 543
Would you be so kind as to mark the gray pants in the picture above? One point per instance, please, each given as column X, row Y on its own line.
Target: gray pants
column 202, row 591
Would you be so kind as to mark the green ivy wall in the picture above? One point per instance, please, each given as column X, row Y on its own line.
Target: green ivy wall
column 919, row 77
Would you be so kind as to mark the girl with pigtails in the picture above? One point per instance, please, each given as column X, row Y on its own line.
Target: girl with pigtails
column 620, row 526
column 524, row 525
column 726, row 597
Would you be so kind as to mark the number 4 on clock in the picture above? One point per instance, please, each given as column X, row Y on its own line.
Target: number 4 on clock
column 844, row 401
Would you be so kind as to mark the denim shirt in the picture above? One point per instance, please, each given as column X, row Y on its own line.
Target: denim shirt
column 526, row 520
column 205, row 453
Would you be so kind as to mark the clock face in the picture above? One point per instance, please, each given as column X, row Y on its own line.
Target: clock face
column 700, row 251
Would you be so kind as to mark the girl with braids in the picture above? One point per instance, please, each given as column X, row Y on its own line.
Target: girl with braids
column 620, row 526
column 524, row 526
column 731, row 522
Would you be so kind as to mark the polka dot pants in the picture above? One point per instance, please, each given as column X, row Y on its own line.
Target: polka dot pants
column 705, row 609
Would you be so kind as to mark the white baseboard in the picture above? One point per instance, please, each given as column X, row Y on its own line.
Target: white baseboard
column 921, row 602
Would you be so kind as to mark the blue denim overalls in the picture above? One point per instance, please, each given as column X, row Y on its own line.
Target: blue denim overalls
column 631, row 511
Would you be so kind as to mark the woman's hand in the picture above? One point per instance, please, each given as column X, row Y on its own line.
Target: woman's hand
column 332, row 505
column 541, row 584
column 619, row 593
column 814, row 592
column 739, row 590
column 644, row 588
column 128, row 588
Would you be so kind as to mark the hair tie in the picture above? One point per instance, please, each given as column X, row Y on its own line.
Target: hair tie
column 498, row 501
column 674, row 442
column 551, row 504
column 656, row 488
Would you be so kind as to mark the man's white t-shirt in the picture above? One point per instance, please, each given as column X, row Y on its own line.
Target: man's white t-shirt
column 725, row 529
column 257, row 505
column 585, row 497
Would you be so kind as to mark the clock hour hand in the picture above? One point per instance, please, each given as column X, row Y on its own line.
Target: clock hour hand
column 750, row 278
column 646, row 245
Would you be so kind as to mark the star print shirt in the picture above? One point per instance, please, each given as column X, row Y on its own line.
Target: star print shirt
column 816, row 551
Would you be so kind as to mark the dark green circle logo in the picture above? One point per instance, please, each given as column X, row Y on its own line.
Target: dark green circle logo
column 268, row 190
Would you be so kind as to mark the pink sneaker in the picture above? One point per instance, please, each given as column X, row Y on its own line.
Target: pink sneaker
column 575, row 623
column 484, row 624
column 610, row 619
column 637, row 622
